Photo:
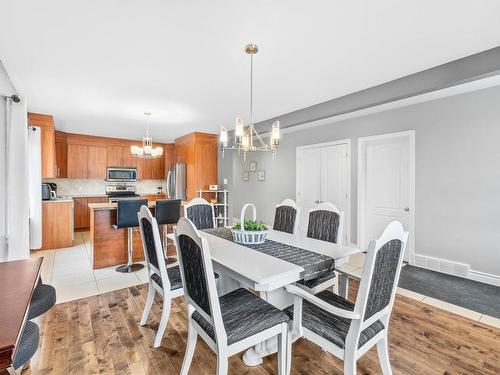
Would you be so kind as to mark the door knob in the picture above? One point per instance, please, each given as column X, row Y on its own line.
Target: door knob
column 407, row 209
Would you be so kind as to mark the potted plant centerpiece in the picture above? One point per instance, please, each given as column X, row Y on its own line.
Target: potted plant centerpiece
column 252, row 232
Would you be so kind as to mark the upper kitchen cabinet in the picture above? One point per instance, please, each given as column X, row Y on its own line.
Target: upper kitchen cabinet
column 46, row 124
column 115, row 156
column 96, row 162
column 85, row 159
column 199, row 152
column 61, row 155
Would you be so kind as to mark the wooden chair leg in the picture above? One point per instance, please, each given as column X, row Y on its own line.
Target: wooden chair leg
column 383, row 356
column 165, row 313
column 149, row 304
column 191, row 346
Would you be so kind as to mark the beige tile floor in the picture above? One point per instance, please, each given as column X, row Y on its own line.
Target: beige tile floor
column 69, row 270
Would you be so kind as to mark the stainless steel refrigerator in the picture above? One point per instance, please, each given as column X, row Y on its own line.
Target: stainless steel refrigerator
column 176, row 181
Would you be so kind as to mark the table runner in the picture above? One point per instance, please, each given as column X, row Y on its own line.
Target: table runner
column 315, row 265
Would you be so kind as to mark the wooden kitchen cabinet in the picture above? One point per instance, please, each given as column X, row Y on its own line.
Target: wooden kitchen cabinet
column 82, row 210
column 48, row 142
column 96, row 162
column 199, row 152
column 77, row 161
column 159, row 168
column 86, row 161
column 57, row 230
column 115, row 156
column 61, row 155
column 81, row 216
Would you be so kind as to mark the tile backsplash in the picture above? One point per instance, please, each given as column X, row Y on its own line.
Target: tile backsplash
column 67, row 186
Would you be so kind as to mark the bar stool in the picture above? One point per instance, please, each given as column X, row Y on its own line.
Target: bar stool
column 167, row 212
column 43, row 299
column 28, row 344
column 126, row 217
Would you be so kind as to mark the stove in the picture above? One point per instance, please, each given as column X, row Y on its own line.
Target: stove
column 117, row 193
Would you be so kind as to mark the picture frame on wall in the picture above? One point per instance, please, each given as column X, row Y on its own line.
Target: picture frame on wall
column 253, row 166
column 261, row 175
column 246, row 175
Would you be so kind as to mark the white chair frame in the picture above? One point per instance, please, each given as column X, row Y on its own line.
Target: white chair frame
column 154, row 288
column 220, row 346
column 291, row 203
column 327, row 206
column 198, row 201
column 351, row 353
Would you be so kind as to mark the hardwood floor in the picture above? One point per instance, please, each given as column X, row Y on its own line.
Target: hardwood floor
column 101, row 335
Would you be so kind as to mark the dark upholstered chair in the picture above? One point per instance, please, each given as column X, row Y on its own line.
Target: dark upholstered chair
column 43, row 299
column 286, row 217
column 28, row 344
column 348, row 330
column 167, row 212
column 231, row 323
column 201, row 213
column 325, row 224
column 126, row 217
column 162, row 280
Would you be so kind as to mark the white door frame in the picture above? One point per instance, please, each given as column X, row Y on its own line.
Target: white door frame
column 362, row 142
column 347, row 216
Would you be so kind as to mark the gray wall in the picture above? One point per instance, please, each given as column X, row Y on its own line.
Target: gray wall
column 457, row 173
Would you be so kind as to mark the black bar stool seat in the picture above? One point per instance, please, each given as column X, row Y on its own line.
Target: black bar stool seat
column 126, row 217
column 28, row 344
column 167, row 212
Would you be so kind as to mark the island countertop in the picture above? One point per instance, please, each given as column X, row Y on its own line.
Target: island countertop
column 112, row 206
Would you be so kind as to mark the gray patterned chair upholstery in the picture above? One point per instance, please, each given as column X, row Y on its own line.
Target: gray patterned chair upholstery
column 28, row 344
column 348, row 330
column 325, row 224
column 284, row 219
column 201, row 213
column 226, row 321
column 43, row 299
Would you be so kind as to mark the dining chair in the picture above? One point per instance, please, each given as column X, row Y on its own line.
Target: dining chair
column 325, row 224
column 349, row 330
column 167, row 282
column 229, row 324
column 201, row 213
column 286, row 217
column 26, row 348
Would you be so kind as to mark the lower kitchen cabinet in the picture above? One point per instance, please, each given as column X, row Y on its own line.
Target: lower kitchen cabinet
column 57, row 224
column 82, row 210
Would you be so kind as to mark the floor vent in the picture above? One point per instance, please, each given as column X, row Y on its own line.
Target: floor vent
column 442, row 265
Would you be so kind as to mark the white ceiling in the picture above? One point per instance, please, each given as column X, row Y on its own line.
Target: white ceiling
column 98, row 65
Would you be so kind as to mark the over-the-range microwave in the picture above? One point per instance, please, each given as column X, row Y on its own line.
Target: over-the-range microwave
column 121, row 174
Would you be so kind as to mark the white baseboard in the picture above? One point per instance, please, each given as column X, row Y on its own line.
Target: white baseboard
column 486, row 278
column 454, row 268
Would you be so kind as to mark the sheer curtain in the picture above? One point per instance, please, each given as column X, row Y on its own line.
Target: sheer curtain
column 14, row 200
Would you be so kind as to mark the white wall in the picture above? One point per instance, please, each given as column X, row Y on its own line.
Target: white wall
column 457, row 173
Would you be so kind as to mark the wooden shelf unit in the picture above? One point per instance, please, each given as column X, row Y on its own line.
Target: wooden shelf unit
column 221, row 208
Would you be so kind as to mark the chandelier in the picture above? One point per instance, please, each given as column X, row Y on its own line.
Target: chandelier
column 147, row 151
column 245, row 134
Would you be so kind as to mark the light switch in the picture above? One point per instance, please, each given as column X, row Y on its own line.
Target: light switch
column 225, row 181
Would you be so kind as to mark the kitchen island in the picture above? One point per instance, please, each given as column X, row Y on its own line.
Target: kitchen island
column 109, row 245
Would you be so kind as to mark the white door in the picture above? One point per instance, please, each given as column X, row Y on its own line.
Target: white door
column 386, row 183
column 308, row 182
column 323, row 176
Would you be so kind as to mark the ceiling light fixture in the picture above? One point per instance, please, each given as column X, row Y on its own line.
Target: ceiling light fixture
column 244, row 134
column 147, row 151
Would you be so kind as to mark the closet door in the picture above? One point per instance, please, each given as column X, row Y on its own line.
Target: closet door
column 308, row 182
column 334, row 178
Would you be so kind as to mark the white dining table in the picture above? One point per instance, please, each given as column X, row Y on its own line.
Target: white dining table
column 240, row 266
